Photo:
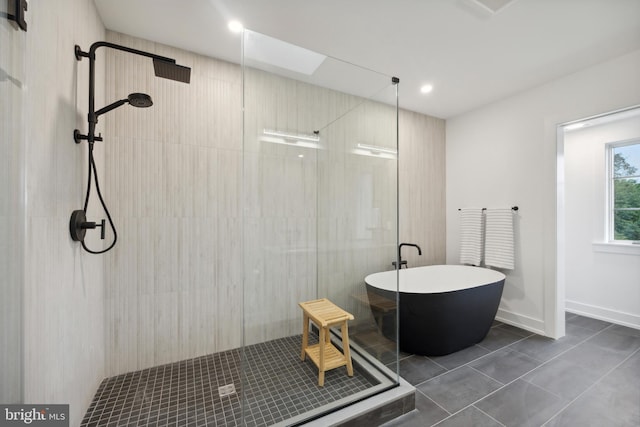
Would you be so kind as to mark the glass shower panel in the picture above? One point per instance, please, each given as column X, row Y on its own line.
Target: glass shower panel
column 12, row 44
column 358, row 215
column 319, row 214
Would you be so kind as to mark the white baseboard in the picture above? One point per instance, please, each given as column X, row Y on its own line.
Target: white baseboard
column 601, row 313
column 524, row 322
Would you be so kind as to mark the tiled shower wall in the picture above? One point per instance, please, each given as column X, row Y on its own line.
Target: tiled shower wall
column 422, row 187
column 12, row 81
column 63, row 357
column 173, row 182
column 310, row 231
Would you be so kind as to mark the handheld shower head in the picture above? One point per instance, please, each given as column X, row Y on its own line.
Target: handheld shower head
column 140, row 100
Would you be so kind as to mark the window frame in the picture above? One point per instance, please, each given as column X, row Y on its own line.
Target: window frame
column 610, row 199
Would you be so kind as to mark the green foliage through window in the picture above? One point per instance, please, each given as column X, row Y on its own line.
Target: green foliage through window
column 626, row 192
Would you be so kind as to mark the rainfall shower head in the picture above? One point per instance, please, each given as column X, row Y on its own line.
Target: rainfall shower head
column 172, row 71
column 164, row 67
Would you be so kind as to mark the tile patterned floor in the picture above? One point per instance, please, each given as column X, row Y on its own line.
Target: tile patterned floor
column 590, row 377
column 279, row 386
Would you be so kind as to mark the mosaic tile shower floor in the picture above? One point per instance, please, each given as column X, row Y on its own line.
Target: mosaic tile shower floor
column 185, row 393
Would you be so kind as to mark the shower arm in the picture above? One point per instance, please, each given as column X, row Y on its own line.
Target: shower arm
column 110, row 107
column 90, row 137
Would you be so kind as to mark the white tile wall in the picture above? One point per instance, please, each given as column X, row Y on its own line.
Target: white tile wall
column 173, row 179
column 12, row 82
column 63, row 286
column 422, row 188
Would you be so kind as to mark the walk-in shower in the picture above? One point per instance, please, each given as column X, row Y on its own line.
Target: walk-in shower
column 164, row 67
column 273, row 186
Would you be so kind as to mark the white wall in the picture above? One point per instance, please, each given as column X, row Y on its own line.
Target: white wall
column 63, row 286
column 599, row 284
column 12, row 92
column 504, row 154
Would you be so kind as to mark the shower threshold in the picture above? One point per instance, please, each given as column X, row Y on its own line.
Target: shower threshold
column 277, row 387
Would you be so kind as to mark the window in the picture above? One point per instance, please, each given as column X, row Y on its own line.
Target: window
column 624, row 190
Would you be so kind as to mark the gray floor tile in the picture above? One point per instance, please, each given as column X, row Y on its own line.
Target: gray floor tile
column 596, row 363
column 568, row 315
column 602, row 352
column 630, row 368
column 471, row 416
column 505, row 365
column 459, row 388
column 618, row 329
column 521, row 404
column 459, row 358
column 616, row 341
column 496, row 323
column 578, row 332
column 587, row 323
column 515, row 330
column 544, row 348
column 615, row 401
column 562, row 378
column 417, row 369
column 498, row 338
column 275, row 383
column 426, row 413
column 626, row 378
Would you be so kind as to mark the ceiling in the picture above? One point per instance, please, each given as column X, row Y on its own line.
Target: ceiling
column 470, row 54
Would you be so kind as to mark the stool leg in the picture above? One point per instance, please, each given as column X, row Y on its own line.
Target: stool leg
column 305, row 336
column 345, row 347
column 321, row 343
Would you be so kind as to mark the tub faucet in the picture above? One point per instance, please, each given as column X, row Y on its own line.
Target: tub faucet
column 400, row 254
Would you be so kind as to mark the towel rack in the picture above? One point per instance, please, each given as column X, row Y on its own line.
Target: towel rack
column 513, row 208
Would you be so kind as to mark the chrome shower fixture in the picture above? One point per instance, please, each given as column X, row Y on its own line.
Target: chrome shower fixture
column 163, row 67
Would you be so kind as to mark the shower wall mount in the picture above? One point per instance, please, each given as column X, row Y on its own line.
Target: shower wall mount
column 164, row 67
column 15, row 10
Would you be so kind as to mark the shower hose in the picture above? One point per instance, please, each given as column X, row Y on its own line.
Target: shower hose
column 93, row 172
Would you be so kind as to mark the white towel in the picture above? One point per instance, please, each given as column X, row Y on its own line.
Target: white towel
column 471, row 236
column 498, row 246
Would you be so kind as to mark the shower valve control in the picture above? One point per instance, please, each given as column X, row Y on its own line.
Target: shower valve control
column 78, row 226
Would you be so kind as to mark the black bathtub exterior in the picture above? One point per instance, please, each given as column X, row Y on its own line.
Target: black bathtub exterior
column 435, row 324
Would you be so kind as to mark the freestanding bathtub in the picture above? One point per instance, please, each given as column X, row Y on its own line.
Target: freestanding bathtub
column 443, row 308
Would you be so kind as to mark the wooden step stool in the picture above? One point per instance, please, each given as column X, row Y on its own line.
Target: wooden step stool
column 325, row 355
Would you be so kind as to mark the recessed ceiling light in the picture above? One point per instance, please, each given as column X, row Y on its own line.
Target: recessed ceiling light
column 235, row 26
column 426, row 88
